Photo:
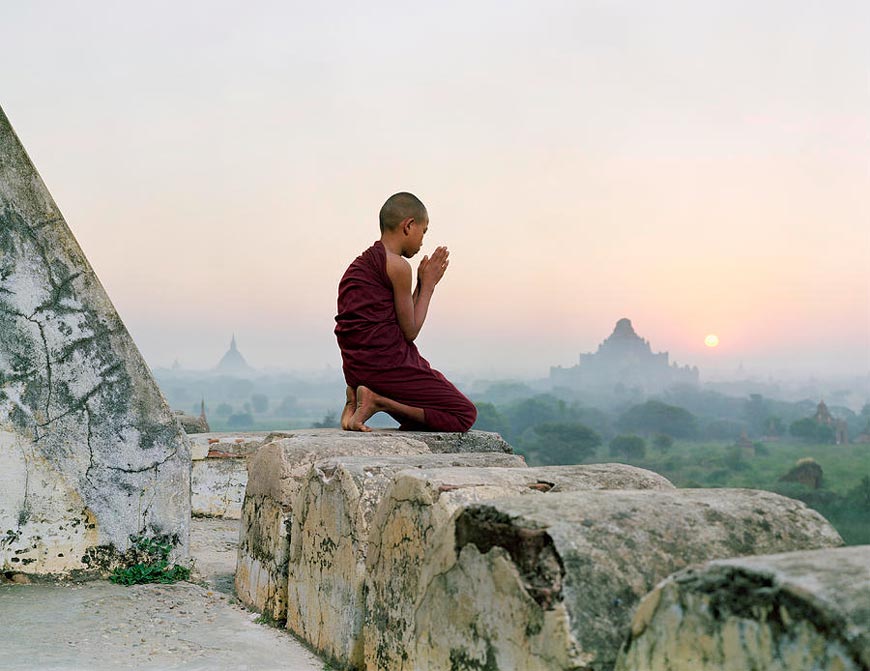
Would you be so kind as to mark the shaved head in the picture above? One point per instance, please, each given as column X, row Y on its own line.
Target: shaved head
column 401, row 206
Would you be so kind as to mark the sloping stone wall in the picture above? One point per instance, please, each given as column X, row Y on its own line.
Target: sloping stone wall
column 800, row 611
column 90, row 453
column 550, row 582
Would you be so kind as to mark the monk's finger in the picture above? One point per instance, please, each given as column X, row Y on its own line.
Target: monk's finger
column 439, row 255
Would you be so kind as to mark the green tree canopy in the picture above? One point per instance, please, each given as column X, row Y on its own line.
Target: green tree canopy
column 490, row 419
column 630, row 447
column 803, row 428
column 663, row 442
column 774, row 426
column 811, row 431
column 658, row 417
column 531, row 412
column 756, row 412
column 564, row 442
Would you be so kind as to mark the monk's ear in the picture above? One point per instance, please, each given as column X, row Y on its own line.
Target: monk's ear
column 406, row 225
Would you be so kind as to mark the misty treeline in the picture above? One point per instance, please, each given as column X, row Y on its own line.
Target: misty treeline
column 578, row 428
column 695, row 438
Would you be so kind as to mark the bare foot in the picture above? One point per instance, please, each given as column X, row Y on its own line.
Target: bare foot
column 366, row 406
column 349, row 408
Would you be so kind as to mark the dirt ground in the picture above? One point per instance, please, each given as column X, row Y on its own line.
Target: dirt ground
column 98, row 625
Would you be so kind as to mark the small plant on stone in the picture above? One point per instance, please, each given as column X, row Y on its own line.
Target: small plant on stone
column 149, row 563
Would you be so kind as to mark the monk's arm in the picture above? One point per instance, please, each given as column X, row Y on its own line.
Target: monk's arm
column 411, row 308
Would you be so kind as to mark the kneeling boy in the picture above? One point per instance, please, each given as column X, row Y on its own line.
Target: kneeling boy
column 379, row 316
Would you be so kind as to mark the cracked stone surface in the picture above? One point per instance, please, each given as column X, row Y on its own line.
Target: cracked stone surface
column 247, row 442
column 412, row 534
column 550, row 582
column 329, row 542
column 89, row 451
column 276, row 472
column 798, row 611
column 217, row 487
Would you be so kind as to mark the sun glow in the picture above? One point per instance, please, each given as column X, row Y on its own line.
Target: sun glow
column 711, row 340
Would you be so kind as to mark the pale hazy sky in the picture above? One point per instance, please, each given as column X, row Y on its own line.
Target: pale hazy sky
column 698, row 167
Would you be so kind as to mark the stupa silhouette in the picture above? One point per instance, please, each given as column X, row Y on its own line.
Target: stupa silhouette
column 233, row 363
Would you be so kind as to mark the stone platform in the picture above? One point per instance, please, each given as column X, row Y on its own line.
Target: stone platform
column 551, row 582
column 384, row 556
column 220, row 472
column 413, row 531
column 277, row 471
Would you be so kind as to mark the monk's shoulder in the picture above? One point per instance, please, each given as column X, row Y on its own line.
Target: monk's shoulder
column 397, row 262
column 398, row 268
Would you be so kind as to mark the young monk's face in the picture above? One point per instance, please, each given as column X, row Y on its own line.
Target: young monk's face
column 416, row 233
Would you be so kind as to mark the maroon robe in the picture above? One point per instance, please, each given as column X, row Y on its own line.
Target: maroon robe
column 375, row 353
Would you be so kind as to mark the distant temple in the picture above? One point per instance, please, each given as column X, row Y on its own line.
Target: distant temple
column 233, row 363
column 824, row 417
column 624, row 361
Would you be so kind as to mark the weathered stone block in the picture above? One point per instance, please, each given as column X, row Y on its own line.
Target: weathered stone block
column 275, row 474
column 470, row 441
column 412, row 527
column 438, row 442
column 329, row 541
column 90, row 453
column 800, row 611
column 217, row 487
column 192, row 423
column 227, row 444
column 550, row 582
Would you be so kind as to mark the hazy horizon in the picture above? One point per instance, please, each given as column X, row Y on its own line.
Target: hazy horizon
column 741, row 371
column 700, row 169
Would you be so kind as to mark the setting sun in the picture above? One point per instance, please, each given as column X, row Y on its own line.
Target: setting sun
column 711, row 340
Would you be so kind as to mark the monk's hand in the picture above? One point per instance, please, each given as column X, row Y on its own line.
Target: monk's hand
column 432, row 269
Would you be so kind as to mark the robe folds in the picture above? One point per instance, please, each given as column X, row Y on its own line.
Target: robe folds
column 375, row 353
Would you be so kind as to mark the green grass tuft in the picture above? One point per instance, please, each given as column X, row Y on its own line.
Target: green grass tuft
column 151, row 563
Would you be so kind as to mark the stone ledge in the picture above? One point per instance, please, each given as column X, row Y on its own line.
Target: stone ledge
column 798, row 611
column 276, row 473
column 329, row 540
column 243, row 443
column 412, row 535
column 550, row 582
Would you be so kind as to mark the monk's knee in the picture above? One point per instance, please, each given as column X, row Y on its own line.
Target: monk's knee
column 467, row 417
